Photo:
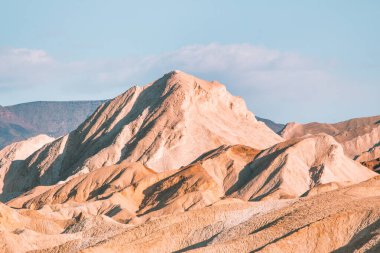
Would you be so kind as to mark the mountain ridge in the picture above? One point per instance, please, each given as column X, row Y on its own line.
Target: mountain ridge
column 180, row 164
column 177, row 115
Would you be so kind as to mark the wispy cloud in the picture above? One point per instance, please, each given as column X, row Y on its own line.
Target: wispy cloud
column 274, row 83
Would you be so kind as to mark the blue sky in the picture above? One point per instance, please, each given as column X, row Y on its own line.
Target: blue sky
column 290, row 60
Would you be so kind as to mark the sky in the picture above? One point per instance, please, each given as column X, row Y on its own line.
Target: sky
column 290, row 60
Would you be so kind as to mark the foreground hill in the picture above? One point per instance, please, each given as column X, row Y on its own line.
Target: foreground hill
column 177, row 116
column 133, row 193
column 349, row 222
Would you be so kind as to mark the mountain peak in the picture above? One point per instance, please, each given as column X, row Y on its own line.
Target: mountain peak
column 185, row 80
column 178, row 115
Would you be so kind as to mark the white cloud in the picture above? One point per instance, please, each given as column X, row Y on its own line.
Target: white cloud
column 20, row 66
column 279, row 85
column 239, row 61
column 28, row 56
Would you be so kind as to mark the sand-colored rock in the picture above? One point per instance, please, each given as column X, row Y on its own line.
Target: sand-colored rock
column 341, row 220
column 22, row 149
column 203, row 207
column 181, row 165
column 96, row 185
column 356, row 135
column 12, row 156
column 18, row 177
column 204, row 182
column 372, row 164
column 291, row 168
column 25, row 230
column 130, row 192
column 371, row 158
column 177, row 116
column 350, row 221
column 30, row 231
column 312, row 224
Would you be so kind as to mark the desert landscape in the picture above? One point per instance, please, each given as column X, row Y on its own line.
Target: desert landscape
column 182, row 165
column 189, row 126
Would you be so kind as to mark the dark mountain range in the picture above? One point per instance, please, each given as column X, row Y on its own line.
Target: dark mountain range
column 13, row 128
column 276, row 127
column 18, row 122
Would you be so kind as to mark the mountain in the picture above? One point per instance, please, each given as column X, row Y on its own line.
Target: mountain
column 176, row 116
column 132, row 193
column 54, row 118
column 359, row 137
column 276, row 127
column 356, row 135
column 13, row 128
column 294, row 167
column 182, row 165
column 18, row 122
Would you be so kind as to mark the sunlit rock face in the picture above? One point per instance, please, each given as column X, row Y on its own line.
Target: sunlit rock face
column 181, row 165
column 164, row 125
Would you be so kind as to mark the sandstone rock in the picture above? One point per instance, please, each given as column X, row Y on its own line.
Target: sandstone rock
column 356, row 135
column 176, row 116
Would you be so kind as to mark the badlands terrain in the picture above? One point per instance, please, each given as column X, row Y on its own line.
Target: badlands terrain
column 182, row 165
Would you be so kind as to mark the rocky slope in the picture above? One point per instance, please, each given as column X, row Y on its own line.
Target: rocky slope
column 132, row 193
column 291, row 168
column 176, row 116
column 356, row 135
column 181, row 165
column 371, row 158
column 347, row 223
column 137, row 193
column 359, row 137
column 53, row 118
column 350, row 222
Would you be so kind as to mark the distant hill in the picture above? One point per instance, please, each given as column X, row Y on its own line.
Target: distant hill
column 276, row 127
column 13, row 128
column 359, row 137
column 356, row 135
column 18, row 122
